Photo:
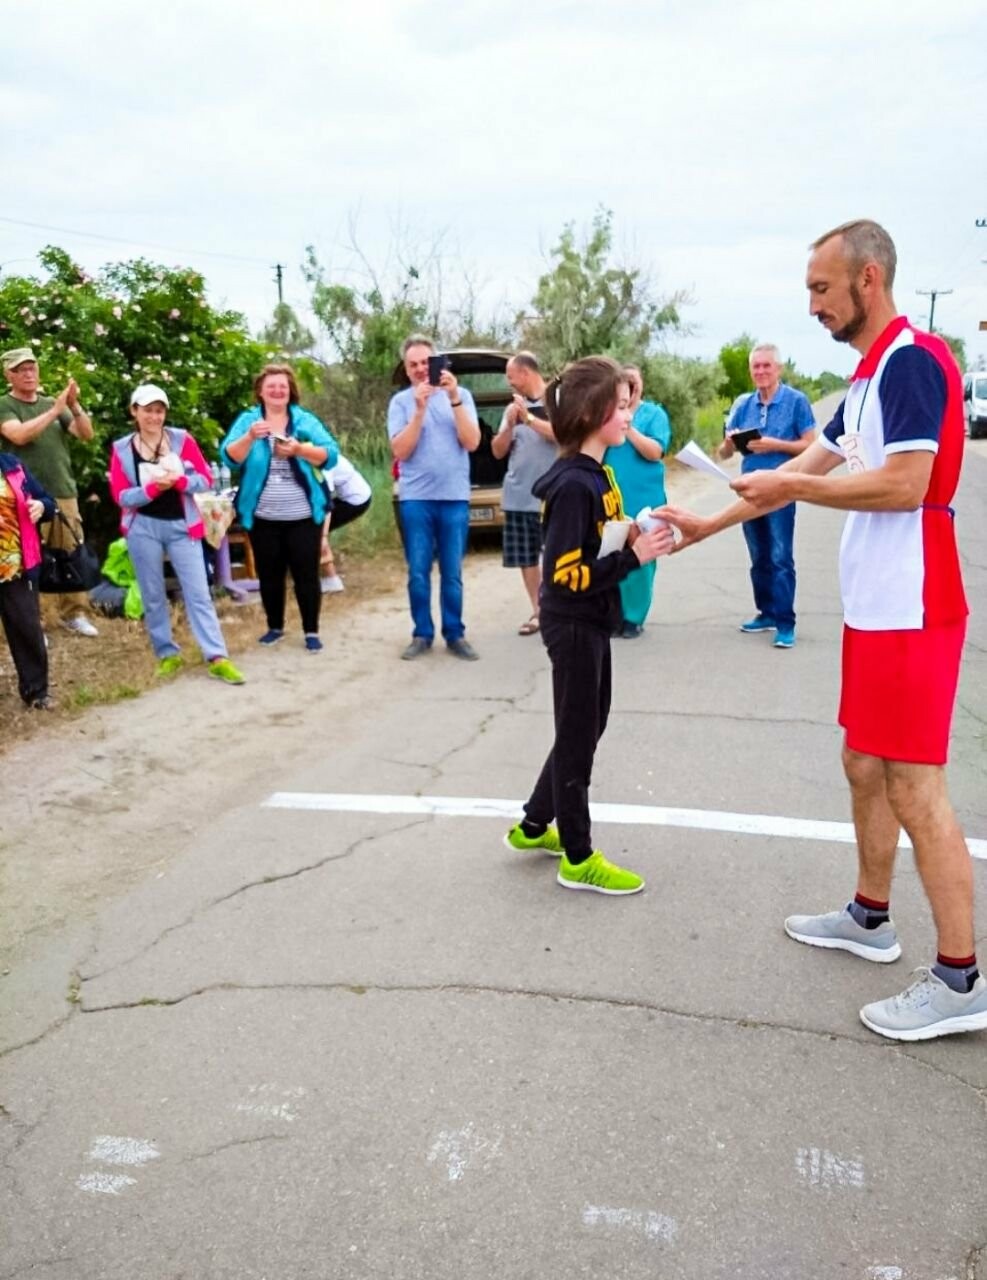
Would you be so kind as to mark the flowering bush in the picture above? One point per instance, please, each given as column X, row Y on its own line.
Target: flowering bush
column 135, row 322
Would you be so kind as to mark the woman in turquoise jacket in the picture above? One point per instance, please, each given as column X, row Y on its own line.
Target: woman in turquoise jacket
column 640, row 474
column 281, row 451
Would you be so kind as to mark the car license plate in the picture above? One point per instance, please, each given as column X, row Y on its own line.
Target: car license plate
column 478, row 514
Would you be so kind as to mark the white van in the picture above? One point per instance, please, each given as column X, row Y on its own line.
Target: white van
column 975, row 403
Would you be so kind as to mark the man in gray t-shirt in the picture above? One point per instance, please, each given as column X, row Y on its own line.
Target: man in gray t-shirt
column 525, row 438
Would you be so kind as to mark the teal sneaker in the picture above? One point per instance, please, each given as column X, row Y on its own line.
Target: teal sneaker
column 599, row 876
column 549, row 843
column 223, row 669
column 760, row 623
column 785, row 638
column 169, row 666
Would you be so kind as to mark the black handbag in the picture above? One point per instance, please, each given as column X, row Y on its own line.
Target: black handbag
column 63, row 571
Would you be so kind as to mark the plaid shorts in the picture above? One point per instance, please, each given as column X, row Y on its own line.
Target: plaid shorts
column 522, row 539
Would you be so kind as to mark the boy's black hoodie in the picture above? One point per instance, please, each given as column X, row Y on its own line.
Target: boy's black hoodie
column 579, row 496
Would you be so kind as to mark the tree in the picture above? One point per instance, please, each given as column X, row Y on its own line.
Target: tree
column 957, row 346
column 134, row 322
column 286, row 334
column 681, row 385
column 584, row 305
column 734, row 359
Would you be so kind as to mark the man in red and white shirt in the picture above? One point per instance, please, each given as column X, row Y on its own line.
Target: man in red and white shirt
column 900, row 432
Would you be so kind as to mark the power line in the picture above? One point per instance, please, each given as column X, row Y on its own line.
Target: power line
column 145, row 244
column 933, row 294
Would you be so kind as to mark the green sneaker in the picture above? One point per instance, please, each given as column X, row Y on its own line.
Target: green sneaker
column 169, row 666
column 548, row 843
column 598, row 875
column 224, row 670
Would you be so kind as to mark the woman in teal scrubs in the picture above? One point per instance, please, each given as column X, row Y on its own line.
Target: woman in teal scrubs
column 640, row 474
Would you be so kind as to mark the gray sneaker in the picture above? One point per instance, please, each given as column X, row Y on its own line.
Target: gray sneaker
column 418, row 646
column 463, row 649
column 839, row 930
column 928, row 1008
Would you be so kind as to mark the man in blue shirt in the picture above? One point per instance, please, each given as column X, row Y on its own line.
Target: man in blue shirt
column 783, row 417
column 433, row 429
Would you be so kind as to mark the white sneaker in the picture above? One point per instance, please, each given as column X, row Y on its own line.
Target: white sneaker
column 332, row 584
column 80, row 625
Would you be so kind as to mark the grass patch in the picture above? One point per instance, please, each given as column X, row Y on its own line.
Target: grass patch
column 709, row 423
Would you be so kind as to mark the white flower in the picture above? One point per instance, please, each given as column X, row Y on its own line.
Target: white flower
column 118, row 312
column 90, row 368
column 99, row 329
column 174, row 313
column 73, row 350
column 25, row 311
column 183, row 337
column 135, row 306
column 58, row 324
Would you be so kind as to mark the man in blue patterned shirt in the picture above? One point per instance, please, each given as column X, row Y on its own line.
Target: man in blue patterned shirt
column 783, row 419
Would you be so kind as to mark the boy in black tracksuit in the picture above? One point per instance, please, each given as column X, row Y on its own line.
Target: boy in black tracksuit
column 580, row 611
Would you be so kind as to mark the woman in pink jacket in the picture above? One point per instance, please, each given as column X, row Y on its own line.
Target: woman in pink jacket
column 23, row 503
column 154, row 471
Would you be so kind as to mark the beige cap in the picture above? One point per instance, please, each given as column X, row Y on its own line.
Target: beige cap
column 19, row 355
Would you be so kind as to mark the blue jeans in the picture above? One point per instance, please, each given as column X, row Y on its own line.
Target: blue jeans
column 434, row 527
column 148, row 542
column 769, row 541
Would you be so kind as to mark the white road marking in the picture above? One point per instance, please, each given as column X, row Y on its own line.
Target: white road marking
column 653, row 1226
column 135, row 1151
column 461, row 1147
column 107, row 1184
column 824, row 1169
column 265, row 1100
column 636, row 815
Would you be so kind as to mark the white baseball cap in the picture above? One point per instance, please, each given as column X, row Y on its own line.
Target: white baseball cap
column 148, row 393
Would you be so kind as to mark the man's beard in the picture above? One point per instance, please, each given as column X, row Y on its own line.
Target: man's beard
column 856, row 322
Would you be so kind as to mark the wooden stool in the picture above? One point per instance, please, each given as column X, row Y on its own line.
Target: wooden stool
column 238, row 538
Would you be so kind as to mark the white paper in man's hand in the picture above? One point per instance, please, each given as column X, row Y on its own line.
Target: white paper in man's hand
column 693, row 456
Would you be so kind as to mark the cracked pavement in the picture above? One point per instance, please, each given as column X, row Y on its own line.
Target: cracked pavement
column 358, row 1045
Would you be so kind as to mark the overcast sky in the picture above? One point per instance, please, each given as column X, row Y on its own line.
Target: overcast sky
column 723, row 134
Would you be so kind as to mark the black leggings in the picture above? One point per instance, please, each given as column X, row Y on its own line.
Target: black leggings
column 344, row 513
column 281, row 546
column 22, row 626
column 581, row 685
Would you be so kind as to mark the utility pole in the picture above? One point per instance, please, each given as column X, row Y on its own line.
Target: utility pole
column 933, row 294
column 279, row 277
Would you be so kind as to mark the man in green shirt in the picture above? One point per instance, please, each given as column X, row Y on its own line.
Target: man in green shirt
column 35, row 427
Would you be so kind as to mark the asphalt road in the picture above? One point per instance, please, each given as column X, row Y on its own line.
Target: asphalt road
column 378, row 1044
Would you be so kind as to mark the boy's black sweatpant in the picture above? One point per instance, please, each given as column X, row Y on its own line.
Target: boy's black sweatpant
column 581, row 686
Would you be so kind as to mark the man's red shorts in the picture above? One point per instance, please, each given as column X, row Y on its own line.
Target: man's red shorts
column 899, row 688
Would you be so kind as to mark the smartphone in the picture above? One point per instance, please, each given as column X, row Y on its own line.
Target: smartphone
column 436, row 364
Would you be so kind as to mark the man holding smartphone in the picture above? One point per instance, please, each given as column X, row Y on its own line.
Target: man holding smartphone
column 433, row 428
column 783, row 426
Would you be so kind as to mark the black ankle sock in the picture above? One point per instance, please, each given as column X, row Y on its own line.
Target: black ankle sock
column 960, row 973
column 533, row 829
column 868, row 912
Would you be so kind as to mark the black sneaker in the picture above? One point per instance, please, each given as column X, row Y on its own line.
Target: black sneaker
column 631, row 631
column 418, row 646
column 463, row 649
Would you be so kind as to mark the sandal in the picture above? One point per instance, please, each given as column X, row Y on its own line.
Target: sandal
column 530, row 627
